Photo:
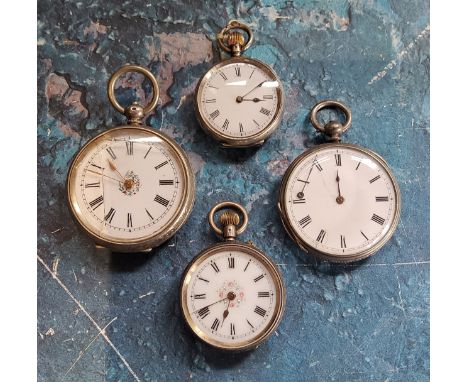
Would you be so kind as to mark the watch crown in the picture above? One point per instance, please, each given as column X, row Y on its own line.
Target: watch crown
column 229, row 218
column 234, row 38
column 235, row 41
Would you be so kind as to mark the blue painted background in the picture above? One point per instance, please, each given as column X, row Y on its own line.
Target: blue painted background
column 363, row 322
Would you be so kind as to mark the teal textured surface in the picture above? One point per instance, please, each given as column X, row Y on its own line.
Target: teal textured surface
column 367, row 321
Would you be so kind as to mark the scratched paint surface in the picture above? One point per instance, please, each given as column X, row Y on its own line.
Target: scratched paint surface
column 363, row 322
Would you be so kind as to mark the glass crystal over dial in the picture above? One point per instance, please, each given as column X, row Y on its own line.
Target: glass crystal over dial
column 341, row 200
column 239, row 98
column 232, row 297
column 246, row 293
column 127, row 184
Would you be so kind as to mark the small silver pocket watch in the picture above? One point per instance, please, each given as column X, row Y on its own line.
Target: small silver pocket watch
column 339, row 201
column 131, row 188
column 232, row 295
column 239, row 101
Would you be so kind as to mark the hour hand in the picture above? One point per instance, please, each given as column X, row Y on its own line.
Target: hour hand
column 339, row 199
column 239, row 99
column 113, row 167
column 207, row 306
column 253, row 99
column 225, row 313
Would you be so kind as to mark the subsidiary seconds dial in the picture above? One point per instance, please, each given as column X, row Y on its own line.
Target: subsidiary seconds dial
column 341, row 200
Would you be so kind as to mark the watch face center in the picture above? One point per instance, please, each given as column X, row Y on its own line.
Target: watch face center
column 231, row 292
column 128, row 184
column 231, row 296
column 131, row 184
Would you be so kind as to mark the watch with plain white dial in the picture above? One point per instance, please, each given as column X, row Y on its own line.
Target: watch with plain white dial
column 339, row 201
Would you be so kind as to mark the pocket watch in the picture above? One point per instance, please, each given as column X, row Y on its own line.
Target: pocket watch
column 131, row 188
column 239, row 101
column 232, row 295
column 339, row 201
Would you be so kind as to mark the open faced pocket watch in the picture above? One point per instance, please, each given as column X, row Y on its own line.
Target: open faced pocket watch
column 131, row 188
column 239, row 101
column 339, row 201
column 232, row 295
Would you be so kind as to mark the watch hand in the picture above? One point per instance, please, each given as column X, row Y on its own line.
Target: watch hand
column 114, row 168
column 207, row 306
column 128, row 183
column 239, row 99
column 104, row 197
column 230, row 296
column 339, row 198
column 253, row 99
column 338, row 180
column 107, row 176
column 225, row 313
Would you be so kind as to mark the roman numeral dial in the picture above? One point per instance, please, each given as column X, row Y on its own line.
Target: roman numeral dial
column 239, row 100
column 128, row 185
column 339, row 200
column 231, row 295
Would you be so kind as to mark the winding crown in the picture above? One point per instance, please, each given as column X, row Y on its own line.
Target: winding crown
column 234, row 38
column 229, row 218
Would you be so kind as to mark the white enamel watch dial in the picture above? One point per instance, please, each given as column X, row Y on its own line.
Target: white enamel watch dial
column 341, row 201
column 240, row 101
column 232, row 298
column 129, row 187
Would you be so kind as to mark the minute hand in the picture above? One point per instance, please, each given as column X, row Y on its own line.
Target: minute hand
column 207, row 306
column 107, row 176
column 260, row 84
column 253, row 99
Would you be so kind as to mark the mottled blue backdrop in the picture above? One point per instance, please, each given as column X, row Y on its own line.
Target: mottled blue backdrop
column 362, row 322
